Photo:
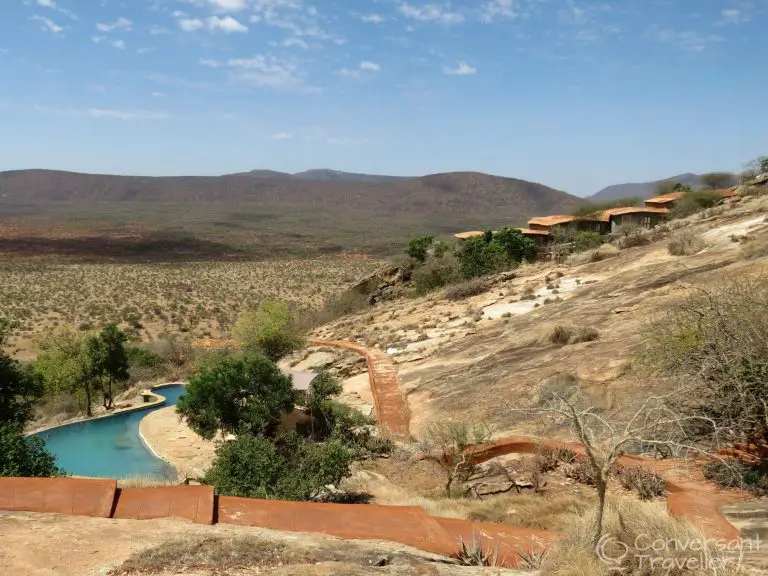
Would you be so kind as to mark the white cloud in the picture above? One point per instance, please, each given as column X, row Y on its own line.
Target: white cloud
column 430, row 13
column 263, row 71
column 53, row 6
column 125, row 115
column 359, row 72
column 687, row 40
column 159, row 95
column 223, row 5
column 462, row 69
column 119, row 44
column 498, row 9
column 735, row 16
column 372, row 18
column 282, row 136
column 293, row 41
column 98, row 39
column 226, row 24
column 190, row 24
column 119, row 24
column 145, row 50
column 298, row 18
column 48, row 24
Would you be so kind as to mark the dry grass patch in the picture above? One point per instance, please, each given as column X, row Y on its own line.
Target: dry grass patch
column 466, row 289
column 146, row 482
column 755, row 248
column 629, row 527
column 685, row 243
column 218, row 555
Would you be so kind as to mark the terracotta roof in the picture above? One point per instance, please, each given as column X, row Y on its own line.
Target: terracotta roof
column 666, row 198
column 470, row 234
column 534, row 232
column 550, row 220
column 606, row 215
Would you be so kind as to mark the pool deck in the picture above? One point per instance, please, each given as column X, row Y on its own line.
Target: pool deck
column 170, row 439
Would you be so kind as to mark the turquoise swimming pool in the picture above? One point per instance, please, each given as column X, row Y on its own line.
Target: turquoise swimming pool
column 110, row 447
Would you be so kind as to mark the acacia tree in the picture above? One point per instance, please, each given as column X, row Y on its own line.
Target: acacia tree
column 418, row 247
column 717, row 180
column 270, row 329
column 238, row 396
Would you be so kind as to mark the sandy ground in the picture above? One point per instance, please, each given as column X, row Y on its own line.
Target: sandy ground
column 171, row 439
column 53, row 545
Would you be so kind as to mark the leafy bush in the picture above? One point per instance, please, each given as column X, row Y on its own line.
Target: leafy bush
column 685, row 243
column 694, row 201
column 494, row 252
column 587, row 241
column 270, row 329
column 142, row 357
column 466, row 289
column 290, row 468
column 239, row 395
column 20, row 456
column 645, row 483
column 418, row 247
column 436, row 273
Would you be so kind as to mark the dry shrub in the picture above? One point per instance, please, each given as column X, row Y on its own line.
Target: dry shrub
column 533, row 511
column 685, row 243
column 603, row 253
column 645, row 483
column 465, row 289
column 561, row 334
column 629, row 524
column 585, row 334
column 550, row 460
column 580, row 471
column 630, row 235
column 218, row 555
column 755, row 248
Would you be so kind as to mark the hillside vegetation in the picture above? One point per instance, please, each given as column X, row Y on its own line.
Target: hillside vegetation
column 247, row 216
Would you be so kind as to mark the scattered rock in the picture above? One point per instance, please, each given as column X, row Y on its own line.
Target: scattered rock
column 624, row 310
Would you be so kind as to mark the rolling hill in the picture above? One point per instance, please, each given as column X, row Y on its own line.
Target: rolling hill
column 646, row 189
column 273, row 213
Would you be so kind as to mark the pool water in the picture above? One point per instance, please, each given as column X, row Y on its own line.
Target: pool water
column 110, row 447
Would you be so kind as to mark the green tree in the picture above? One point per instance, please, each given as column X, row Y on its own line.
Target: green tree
column 109, row 360
column 290, row 469
column 249, row 467
column 19, row 390
column 270, row 329
column 418, row 247
column 587, row 241
column 24, row 456
column 516, row 245
column 238, row 396
column 66, row 367
column 717, row 180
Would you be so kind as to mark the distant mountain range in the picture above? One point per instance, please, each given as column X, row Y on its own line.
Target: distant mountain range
column 322, row 175
column 274, row 213
column 644, row 189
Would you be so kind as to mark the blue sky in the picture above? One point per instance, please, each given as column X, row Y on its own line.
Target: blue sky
column 576, row 94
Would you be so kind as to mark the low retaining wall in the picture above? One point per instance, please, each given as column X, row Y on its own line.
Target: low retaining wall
column 79, row 497
column 194, row 503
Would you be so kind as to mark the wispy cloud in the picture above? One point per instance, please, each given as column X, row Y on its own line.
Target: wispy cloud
column 48, row 24
column 687, row 40
column 494, row 9
column 372, row 18
column 105, row 113
column 119, row 44
column 223, row 5
column 264, row 71
column 168, row 80
column 159, row 95
column 735, row 16
column 364, row 70
column 53, row 6
column 430, row 13
column 119, row 24
column 282, row 136
column 461, row 69
column 227, row 24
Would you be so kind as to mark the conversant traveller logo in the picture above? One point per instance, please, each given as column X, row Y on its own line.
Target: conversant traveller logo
column 654, row 555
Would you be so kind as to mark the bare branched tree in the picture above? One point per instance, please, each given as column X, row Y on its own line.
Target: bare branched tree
column 449, row 444
column 654, row 426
